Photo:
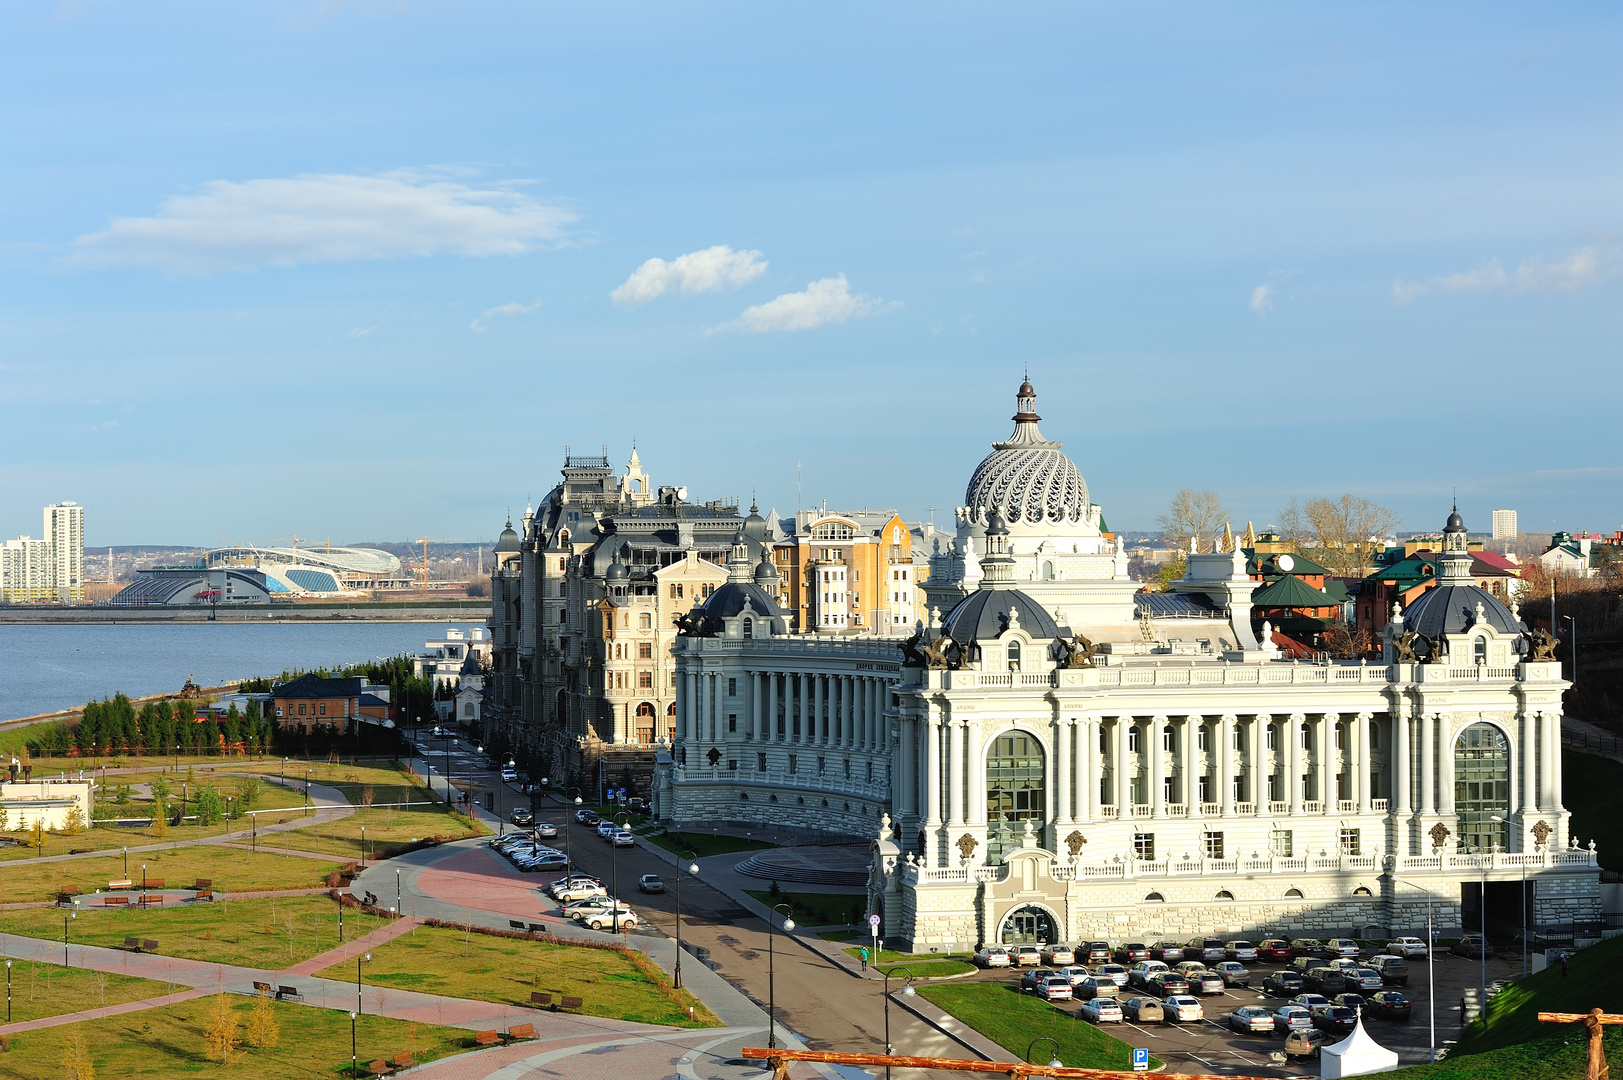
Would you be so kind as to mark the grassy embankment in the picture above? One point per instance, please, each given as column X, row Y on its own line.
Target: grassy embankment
column 1012, row 1020
column 816, row 908
column 699, row 845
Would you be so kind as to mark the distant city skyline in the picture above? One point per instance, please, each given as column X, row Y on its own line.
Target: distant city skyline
column 366, row 269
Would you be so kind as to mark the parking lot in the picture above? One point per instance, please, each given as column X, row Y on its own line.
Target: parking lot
column 1211, row 1046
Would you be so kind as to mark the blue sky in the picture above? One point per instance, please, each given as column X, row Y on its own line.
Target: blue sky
column 363, row 270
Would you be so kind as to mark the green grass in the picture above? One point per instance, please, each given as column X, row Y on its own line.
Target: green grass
column 163, row 1043
column 1588, row 783
column 928, row 969
column 1000, row 1012
column 701, row 845
column 1556, row 1058
column 818, row 909
column 270, row 933
column 41, row 990
column 1591, row 982
column 890, row 956
column 231, row 870
column 458, row 963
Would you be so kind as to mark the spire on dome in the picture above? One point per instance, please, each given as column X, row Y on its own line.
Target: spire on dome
column 1025, row 422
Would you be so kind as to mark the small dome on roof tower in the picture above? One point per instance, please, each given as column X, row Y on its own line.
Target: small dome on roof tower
column 508, row 541
column 1455, row 522
column 617, row 570
column 986, row 613
column 1451, row 606
column 766, row 575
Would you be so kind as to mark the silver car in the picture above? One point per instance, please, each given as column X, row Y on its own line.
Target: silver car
column 1289, row 1018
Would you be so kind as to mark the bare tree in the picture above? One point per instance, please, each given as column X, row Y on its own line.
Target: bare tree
column 1341, row 534
column 1193, row 513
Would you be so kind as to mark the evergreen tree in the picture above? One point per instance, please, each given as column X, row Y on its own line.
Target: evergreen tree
column 232, row 728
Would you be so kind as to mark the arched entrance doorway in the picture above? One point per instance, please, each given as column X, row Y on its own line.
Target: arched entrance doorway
column 1015, row 792
column 1028, row 925
column 1482, row 786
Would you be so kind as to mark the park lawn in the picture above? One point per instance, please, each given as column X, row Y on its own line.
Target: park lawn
column 1012, row 1020
column 891, row 956
column 41, row 990
column 1591, row 982
column 927, row 969
column 168, row 1042
column 231, row 870
column 389, row 831
column 270, row 933
column 816, row 908
column 486, row 967
column 692, row 844
column 1560, row 1057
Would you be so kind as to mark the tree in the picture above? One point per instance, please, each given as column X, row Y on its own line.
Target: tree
column 1341, row 534
column 75, row 823
column 264, row 1031
column 210, row 807
column 1197, row 514
column 221, row 1036
column 76, row 1063
column 160, row 818
column 1175, row 569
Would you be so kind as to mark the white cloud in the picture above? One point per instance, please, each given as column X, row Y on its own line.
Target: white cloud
column 1262, row 299
column 324, row 218
column 1577, row 270
column 709, row 270
column 504, row 311
column 360, row 331
column 825, row 301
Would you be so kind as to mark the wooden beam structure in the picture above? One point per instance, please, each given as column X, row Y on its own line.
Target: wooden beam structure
column 780, row 1059
column 1594, row 1020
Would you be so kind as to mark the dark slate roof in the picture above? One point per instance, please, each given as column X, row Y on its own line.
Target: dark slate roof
column 314, row 686
column 508, row 540
column 1176, row 606
column 984, row 614
column 728, row 600
column 1451, row 609
column 1292, row 592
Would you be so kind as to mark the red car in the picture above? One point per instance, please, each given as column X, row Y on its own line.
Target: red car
column 1274, row 949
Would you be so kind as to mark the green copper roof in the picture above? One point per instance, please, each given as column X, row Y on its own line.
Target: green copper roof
column 1292, row 592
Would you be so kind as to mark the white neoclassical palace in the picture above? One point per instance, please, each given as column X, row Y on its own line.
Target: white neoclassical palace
column 1058, row 756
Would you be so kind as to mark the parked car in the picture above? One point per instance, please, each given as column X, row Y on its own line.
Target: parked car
column 1233, row 972
column 621, row 838
column 1095, row 952
column 606, row 829
column 650, row 883
column 1208, row 949
column 596, row 905
column 1310, row 1001
column 993, row 956
column 1058, row 955
column 1132, row 953
column 585, row 817
column 1030, row 980
column 1101, row 1010
column 1091, row 987
column 606, row 921
column 1335, row 1019
column 522, row 816
column 1470, row 946
column 1241, row 950
column 1114, row 972
column 1394, row 969
column 545, row 830
column 1340, row 946
column 1184, row 1009
column 1307, row 946
column 1282, row 984
column 509, row 775
column 555, row 887
column 1305, row 1043
column 1139, row 974
column 580, row 891
column 1028, row 956
column 1077, row 974
column 1057, row 988
column 1252, row 1019
column 1276, row 949
column 1351, row 1001
column 1143, row 1010
column 1406, row 946
column 1327, row 980
column 1369, row 979
column 1289, row 1018
column 1166, row 984
column 1389, row 1005
column 1205, row 981
column 1169, row 952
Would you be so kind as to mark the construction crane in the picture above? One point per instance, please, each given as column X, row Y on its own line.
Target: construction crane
column 422, row 572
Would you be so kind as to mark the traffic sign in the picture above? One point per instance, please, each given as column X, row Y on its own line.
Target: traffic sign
column 1141, row 1059
column 873, row 921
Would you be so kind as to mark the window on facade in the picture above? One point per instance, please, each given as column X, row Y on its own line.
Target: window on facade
column 645, row 650
column 1223, row 894
column 1374, row 737
column 1350, row 842
column 749, row 628
column 1273, row 787
column 1307, row 737
column 301, row 709
column 321, row 709
column 870, row 772
column 1104, row 743
column 1214, row 846
column 1293, row 894
column 1169, row 790
column 1480, row 650
column 1282, row 843
column 848, row 768
column 645, row 621
column 1273, row 737
column 645, row 680
column 732, row 721
column 1481, row 786
column 732, row 764
column 1015, row 790
column 676, row 590
column 1167, row 739
column 822, row 766
column 1014, row 656
column 1205, row 789
column 1132, row 738
column 794, row 762
column 1203, row 737
column 1341, row 736
column 732, row 687
column 760, row 763
column 1144, row 846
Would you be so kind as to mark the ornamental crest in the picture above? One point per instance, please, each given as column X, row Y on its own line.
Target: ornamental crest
column 714, row 757
column 966, row 846
column 1541, row 832
column 1074, row 842
column 1439, row 835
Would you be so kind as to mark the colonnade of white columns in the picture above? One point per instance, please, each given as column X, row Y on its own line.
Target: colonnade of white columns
column 839, row 712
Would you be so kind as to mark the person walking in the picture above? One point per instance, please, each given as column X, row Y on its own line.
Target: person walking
column 864, row 958
column 1563, row 965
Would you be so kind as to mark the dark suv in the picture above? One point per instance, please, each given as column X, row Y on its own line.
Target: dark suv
column 1327, row 981
column 1283, row 984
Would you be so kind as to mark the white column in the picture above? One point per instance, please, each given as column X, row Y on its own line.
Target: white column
column 756, row 716
column 1120, row 770
column 802, row 708
column 1261, row 767
column 1445, row 764
column 975, row 795
column 955, row 773
column 1190, row 765
column 1293, row 759
column 1400, row 763
column 1428, row 762
column 1087, row 767
column 1225, row 763
column 1553, row 720
column 1157, row 759
column 932, row 769
column 1326, row 756
column 1363, row 778
column 772, row 705
column 876, row 716
column 848, row 702
column 1526, row 756
column 1062, row 772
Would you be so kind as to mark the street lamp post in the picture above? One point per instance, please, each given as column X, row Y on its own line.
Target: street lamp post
column 569, row 850
column 143, row 877
column 363, row 847
column 126, row 864
column 177, row 757
column 397, row 906
column 228, row 799
column 8, row 991
column 771, row 987
column 1054, row 1062
column 354, row 1059
column 359, row 960
column 690, row 868
column 284, row 772
column 307, row 773
column 1431, row 983
column 340, row 898
column 614, row 872
column 1574, row 623
column 907, row 991
column 70, row 915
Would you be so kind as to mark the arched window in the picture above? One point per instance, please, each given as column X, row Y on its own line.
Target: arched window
column 1481, row 786
column 1293, row 894
column 1480, row 650
column 1224, row 894
column 645, row 709
column 1048, row 570
column 1014, row 656
column 1362, row 890
column 1374, row 737
column 1015, row 791
column 1273, row 737
column 1155, row 898
column 749, row 628
column 1168, row 739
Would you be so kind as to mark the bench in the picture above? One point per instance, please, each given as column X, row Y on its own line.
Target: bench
column 538, row 998
column 380, row 1068
column 486, row 1038
column 285, row 991
column 403, row 1061
column 262, row 987
column 121, row 884
column 132, row 944
column 115, row 901
column 522, row 1031
column 148, row 899
column 205, row 894
column 204, row 884
column 148, row 945
column 516, row 924
column 152, row 883
column 538, row 928
column 571, row 1003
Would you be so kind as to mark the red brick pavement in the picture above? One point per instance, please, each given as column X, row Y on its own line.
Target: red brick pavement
column 110, row 1010
column 479, row 879
column 386, row 932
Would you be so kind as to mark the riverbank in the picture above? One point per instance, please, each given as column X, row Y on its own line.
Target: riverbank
column 459, row 610
column 205, row 693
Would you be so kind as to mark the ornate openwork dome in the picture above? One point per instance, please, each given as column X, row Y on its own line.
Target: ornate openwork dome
column 1027, row 478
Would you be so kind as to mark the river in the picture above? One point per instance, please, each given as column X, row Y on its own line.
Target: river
column 44, row 668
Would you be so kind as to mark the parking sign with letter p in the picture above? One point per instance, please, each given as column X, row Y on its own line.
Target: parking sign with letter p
column 1141, row 1059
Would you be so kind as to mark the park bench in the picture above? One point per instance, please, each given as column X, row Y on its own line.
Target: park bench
column 516, row 924
column 134, row 944
column 487, row 1038
column 522, row 1031
column 286, row 991
column 380, row 1068
column 403, row 1061
column 152, row 883
column 538, row 928
column 370, row 899
column 125, row 884
column 149, row 945
column 205, row 894
column 148, row 899
column 571, row 1003
column 204, row 884
column 538, row 998
column 263, row 988
column 115, row 901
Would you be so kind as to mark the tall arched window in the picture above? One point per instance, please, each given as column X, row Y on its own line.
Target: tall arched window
column 1481, row 786
column 1014, row 791
column 1014, row 656
column 749, row 628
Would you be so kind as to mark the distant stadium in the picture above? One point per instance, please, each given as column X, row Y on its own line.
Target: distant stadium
column 315, row 571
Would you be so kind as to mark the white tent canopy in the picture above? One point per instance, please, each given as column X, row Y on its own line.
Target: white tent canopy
column 1356, row 1055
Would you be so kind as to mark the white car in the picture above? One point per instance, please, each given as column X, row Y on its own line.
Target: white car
column 1406, row 947
column 1114, row 972
column 1028, row 956
column 994, row 956
column 1058, row 955
column 1055, row 988
column 603, row 921
column 1076, row 973
column 624, row 839
column 1101, row 1010
column 1340, row 946
column 580, row 890
column 1183, row 1009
